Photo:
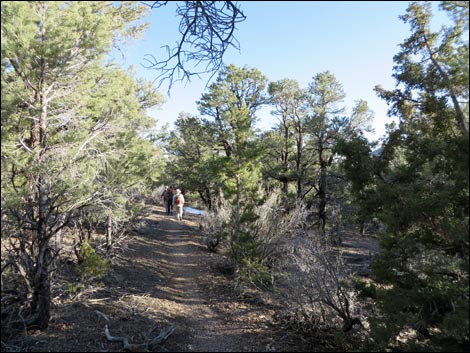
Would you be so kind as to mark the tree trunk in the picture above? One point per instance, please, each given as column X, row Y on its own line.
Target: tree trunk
column 460, row 115
column 322, row 190
column 236, row 238
column 209, row 199
column 298, row 165
column 41, row 298
column 206, row 197
column 109, row 233
column 322, row 204
column 41, row 287
column 285, row 157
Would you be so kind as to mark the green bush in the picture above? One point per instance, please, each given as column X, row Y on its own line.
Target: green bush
column 73, row 288
column 365, row 289
column 256, row 273
column 90, row 264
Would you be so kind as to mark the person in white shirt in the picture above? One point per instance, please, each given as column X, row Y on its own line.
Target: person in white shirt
column 178, row 202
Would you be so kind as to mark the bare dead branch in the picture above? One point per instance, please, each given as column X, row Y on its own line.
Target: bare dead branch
column 26, row 147
column 138, row 347
column 163, row 336
column 207, row 31
column 102, row 315
column 124, row 340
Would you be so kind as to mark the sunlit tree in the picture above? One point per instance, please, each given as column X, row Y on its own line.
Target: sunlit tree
column 62, row 110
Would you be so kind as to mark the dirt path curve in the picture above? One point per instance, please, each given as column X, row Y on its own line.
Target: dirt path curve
column 169, row 262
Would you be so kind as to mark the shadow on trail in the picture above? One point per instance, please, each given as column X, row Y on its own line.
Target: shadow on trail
column 163, row 251
column 167, row 270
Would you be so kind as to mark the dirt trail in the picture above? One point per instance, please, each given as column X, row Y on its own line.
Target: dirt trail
column 180, row 258
column 169, row 262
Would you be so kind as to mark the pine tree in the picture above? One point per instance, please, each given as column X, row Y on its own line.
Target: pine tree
column 232, row 102
column 288, row 163
column 194, row 166
column 58, row 109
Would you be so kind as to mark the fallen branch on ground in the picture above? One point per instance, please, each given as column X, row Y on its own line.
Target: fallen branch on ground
column 137, row 347
column 141, row 347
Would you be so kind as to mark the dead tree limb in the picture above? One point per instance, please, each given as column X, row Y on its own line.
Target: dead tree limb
column 140, row 347
column 162, row 336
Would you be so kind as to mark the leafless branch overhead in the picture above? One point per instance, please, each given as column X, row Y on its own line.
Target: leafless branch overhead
column 207, row 30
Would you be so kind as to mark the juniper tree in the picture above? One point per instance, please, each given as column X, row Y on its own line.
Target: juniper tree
column 418, row 185
column 194, row 163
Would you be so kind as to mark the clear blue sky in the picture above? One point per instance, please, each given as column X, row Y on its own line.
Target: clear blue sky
column 355, row 40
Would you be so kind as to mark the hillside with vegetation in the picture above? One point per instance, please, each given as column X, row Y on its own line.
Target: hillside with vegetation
column 312, row 238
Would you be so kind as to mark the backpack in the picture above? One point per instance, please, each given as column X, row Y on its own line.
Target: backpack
column 179, row 200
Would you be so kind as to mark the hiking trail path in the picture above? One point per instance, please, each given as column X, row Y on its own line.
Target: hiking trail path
column 168, row 265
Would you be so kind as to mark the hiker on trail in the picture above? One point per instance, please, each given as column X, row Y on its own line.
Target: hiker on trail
column 178, row 202
column 168, row 199
column 164, row 192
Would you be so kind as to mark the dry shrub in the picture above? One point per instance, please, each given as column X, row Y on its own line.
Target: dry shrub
column 318, row 289
column 216, row 224
column 276, row 228
column 269, row 235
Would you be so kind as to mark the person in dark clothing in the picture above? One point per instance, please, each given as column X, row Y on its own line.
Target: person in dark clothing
column 168, row 199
